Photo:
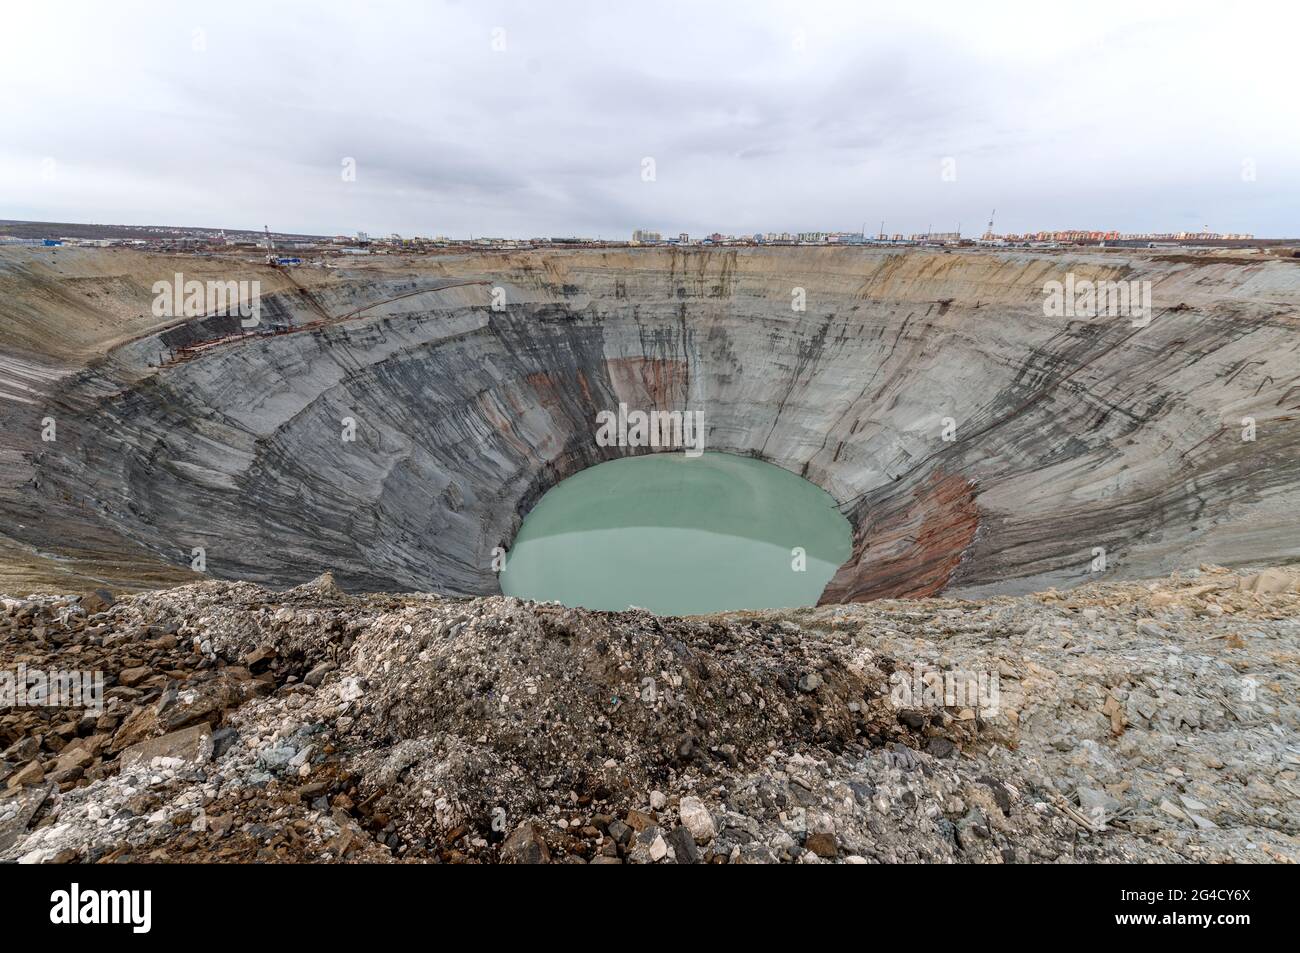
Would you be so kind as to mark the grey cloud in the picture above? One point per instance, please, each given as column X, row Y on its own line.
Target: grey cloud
column 1126, row 118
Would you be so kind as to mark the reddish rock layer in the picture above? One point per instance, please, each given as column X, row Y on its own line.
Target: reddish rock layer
column 911, row 545
column 645, row 383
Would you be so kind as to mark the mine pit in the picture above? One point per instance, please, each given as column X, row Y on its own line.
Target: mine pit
column 364, row 582
column 395, row 422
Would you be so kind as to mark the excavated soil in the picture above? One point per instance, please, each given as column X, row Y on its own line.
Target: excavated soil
column 1131, row 723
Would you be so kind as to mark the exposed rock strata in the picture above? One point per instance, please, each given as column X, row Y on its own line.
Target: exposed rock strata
column 1070, row 434
column 910, row 546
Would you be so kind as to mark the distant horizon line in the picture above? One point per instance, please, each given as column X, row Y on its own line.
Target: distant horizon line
column 665, row 235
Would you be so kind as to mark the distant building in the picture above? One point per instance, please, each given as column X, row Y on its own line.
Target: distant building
column 683, row 239
column 645, row 235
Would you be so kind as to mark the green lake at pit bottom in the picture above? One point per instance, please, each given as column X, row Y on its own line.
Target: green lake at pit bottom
column 679, row 536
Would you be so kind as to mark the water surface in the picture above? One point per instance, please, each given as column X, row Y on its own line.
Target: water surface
column 678, row 536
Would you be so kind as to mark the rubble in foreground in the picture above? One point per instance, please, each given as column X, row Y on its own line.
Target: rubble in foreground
column 1114, row 723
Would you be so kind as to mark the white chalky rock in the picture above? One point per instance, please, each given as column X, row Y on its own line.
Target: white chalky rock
column 697, row 819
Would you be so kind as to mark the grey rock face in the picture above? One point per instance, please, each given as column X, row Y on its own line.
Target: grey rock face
column 1066, row 437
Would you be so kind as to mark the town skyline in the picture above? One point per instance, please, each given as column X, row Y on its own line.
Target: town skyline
column 31, row 232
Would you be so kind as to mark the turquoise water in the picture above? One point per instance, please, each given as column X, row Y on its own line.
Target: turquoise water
column 679, row 536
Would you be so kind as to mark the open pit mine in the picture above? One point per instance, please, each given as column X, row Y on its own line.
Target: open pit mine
column 266, row 546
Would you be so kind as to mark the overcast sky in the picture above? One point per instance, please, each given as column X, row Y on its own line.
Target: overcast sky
column 537, row 118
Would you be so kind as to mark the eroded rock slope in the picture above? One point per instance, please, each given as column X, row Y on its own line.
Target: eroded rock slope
column 1069, row 436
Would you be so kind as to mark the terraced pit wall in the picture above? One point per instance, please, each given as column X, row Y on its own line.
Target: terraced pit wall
column 1067, row 435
